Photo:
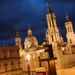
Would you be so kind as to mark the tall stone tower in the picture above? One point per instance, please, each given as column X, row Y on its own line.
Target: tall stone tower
column 69, row 32
column 53, row 31
column 18, row 41
column 53, row 34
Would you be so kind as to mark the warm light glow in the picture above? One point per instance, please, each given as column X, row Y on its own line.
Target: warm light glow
column 52, row 62
column 40, row 51
column 63, row 48
column 52, row 66
column 28, row 57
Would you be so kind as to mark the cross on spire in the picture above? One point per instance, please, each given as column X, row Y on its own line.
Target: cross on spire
column 67, row 18
column 29, row 28
column 49, row 7
column 17, row 34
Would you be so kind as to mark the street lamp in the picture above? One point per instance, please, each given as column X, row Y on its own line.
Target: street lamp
column 28, row 62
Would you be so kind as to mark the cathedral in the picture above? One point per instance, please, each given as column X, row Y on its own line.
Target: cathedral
column 16, row 60
column 64, row 51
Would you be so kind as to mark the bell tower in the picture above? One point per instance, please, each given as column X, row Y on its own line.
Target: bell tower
column 18, row 41
column 53, row 31
column 53, row 34
column 69, row 31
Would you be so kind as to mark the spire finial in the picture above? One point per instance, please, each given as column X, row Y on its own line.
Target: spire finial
column 17, row 34
column 29, row 28
column 29, row 31
column 49, row 7
column 67, row 18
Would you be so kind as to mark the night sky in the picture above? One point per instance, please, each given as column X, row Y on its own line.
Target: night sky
column 17, row 15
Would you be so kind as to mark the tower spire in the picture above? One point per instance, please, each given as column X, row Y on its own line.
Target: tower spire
column 67, row 18
column 17, row 34
column 49, row 7
column 29, row 28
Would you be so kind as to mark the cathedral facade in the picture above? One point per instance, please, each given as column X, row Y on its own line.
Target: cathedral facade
column 62, row 50
column 14, row 61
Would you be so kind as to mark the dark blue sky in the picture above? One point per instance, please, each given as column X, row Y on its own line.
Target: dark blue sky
column 18, row 14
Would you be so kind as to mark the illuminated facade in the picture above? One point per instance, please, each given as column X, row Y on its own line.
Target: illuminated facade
column 52, row 31
column 10, row 61
column 30, row 45
column 30, row 40
column 62, row 50
column 13, row 58
column 69, row 32
column 10, row 58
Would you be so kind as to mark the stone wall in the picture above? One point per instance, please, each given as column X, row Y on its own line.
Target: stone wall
column 67, row 61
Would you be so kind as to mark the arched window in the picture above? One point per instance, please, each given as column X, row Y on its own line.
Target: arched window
column 50, row 23
column 52, row 38
column 70, row 41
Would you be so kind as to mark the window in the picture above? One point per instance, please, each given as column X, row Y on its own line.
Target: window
column 18, row 65
column 17, row 51
column 4, row 56
column 70, row 41
column 4, row 52
column 49, row 22
column 12, row 63
column 68, row 30
column 0, row 64
column 5, row 64
column 12, row 67
column 18, row 62
column 6, row 69
column 52, row 38
column 8, row 54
